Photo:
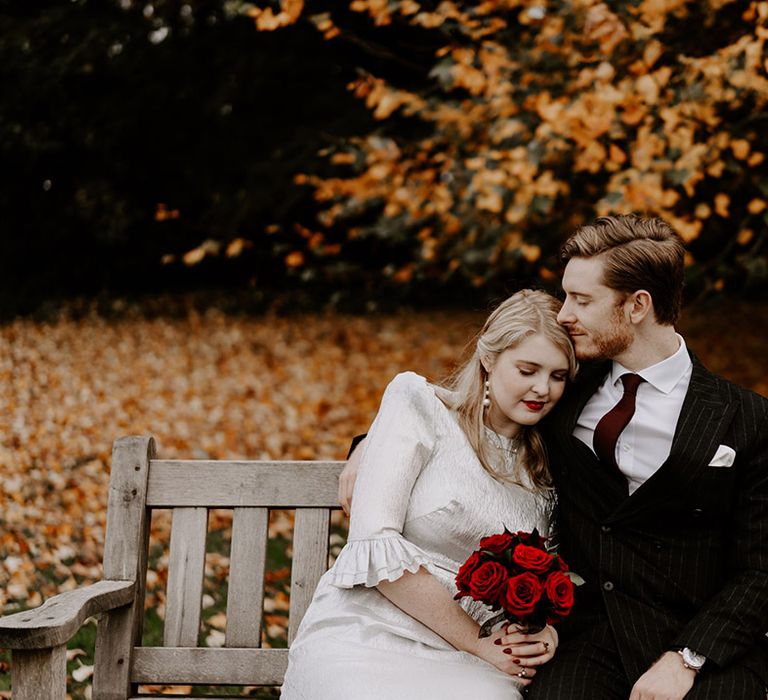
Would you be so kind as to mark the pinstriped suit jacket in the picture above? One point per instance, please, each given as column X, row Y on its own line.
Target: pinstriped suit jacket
column 683, row 561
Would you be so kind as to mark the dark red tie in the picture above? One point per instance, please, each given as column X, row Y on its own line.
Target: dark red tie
column 613, row 423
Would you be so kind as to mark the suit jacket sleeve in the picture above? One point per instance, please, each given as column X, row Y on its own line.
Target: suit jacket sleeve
column 355, row 442
column 732, row 621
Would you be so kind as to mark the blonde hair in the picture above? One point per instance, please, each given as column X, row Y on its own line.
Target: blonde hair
column 525, row 313
column 639, row 254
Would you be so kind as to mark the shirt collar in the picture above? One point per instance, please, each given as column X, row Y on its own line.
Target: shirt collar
column 664, row 375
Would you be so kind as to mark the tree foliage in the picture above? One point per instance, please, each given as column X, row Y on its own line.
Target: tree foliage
column 537, row 116
column 363, row 150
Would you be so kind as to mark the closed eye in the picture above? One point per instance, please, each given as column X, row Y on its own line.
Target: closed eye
column 579, row 300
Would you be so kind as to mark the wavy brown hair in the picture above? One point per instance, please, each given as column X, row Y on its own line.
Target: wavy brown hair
column 639, row 253
column 528, row 312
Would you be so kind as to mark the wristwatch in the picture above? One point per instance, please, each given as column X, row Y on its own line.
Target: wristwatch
column 691, row 659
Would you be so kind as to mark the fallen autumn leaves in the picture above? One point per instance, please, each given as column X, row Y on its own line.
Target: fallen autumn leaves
column 216, row 386
column 206, row 386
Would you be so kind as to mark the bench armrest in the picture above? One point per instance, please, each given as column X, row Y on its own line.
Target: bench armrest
column 59, row 618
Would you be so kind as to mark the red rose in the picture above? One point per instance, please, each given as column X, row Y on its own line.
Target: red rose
column 487, row 581
column 521, row 594
column 559, row 590
column 561, row 563
column 464, row 576
column 496, row 543
column 532, row 558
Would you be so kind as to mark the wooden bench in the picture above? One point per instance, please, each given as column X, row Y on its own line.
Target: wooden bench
column 138, row 484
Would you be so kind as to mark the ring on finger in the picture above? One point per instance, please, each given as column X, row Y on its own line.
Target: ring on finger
column 522, row 673
column 546, row 646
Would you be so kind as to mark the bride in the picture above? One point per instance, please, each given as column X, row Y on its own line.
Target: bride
column 441, row 468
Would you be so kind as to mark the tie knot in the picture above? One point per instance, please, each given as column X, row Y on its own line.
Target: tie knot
column 631, row 382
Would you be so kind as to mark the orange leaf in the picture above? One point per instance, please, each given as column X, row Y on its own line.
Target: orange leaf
column 703, row 211
column 294, row 259
column 530, row 252
column 756, row 206
column 740, row 148
column 404, row 274
column 722, row 202
column 236, row 247
column 546, row 273
column 616, row 155
column 162, row 213
column 745, row 236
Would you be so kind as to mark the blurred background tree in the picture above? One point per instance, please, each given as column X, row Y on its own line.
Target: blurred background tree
column 367, row 151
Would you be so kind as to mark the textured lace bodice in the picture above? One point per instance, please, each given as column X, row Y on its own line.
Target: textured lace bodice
column 422, row 498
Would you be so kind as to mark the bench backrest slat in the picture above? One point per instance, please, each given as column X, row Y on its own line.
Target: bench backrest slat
column 209, row 666
column 184, row 594
column 140, row 484
column 125, row 558
column 175, row 483
column 310, row 561
column 245, row 596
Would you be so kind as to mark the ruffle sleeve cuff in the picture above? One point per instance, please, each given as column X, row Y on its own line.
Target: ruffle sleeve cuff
column 369, row 562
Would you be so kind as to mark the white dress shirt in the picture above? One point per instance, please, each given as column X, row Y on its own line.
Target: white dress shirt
column 645, row 443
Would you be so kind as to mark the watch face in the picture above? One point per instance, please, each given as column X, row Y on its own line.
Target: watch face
column 693, row 659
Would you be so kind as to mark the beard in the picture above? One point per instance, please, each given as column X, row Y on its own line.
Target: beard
column 610, row 343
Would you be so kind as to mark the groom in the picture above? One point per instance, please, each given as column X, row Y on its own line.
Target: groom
column 661, row 470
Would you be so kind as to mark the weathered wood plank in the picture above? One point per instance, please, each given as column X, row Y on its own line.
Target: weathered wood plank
column 57, row 620
column 247, row 558
column 222, row 484
column 125, row 558
column 215, row 666
column 39, row 673
column 310, row 561
column 185, row 577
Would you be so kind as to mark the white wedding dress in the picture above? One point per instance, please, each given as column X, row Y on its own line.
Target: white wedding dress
column 422, row 499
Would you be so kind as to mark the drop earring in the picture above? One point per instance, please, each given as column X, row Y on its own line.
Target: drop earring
column 487, row 394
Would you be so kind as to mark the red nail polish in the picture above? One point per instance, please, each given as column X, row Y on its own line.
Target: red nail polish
column 497, row 642
column 507, row 651
column 516, row 661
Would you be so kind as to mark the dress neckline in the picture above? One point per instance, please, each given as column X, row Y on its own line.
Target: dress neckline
column 508, row 444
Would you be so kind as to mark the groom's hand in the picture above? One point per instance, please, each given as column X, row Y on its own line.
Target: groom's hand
column 348, row 476
column 667, row 679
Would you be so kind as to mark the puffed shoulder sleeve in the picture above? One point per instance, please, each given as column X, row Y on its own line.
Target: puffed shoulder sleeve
column 398, row 446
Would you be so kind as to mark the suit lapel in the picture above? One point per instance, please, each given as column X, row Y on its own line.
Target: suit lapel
column 608, row 485
column 586, row 384
column 706, row 413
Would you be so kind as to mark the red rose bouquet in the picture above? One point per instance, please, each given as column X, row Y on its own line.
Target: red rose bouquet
column 516, row 574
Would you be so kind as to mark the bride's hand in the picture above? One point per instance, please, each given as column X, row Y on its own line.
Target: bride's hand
column 492, row 650
column 530, row 650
